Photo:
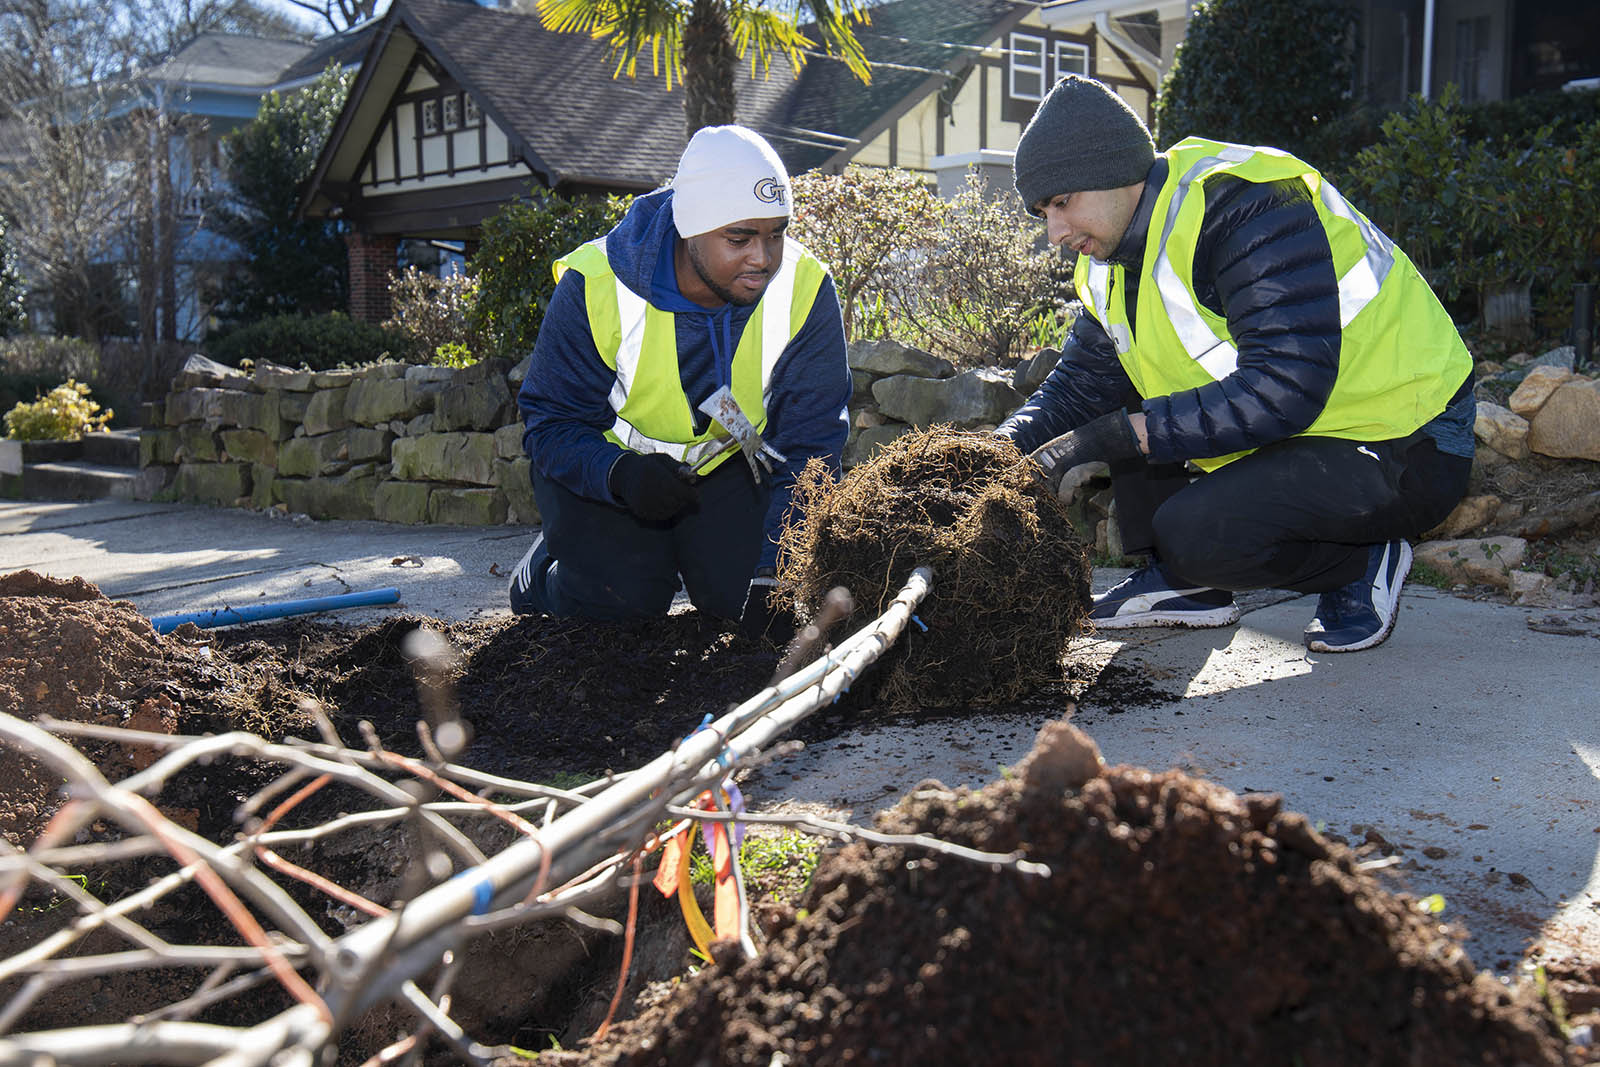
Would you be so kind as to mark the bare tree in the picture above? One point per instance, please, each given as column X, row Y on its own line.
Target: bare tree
column 98, row 174
column 63, row 188
column 339, row 14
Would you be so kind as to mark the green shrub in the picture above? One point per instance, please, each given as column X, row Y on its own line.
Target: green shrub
column 1476, row 214
column 318, row 342
column 1516, row 120
column 987, row 288
column 65, row 413
column 1266, row 72
column 858, row 223
column 513, row 264
column 434, row 312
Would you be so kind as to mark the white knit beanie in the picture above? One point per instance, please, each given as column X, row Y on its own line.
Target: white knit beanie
column 726, row 175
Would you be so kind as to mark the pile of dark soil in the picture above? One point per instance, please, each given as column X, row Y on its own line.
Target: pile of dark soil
column 1181, row 924
column 1010, row 577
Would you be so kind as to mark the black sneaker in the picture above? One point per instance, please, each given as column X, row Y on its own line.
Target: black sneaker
column 1148, row 597
column 1362, row 614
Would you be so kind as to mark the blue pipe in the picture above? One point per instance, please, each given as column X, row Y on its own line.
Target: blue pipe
column 257, row 612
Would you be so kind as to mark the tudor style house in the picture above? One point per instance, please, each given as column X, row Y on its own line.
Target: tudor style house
column 458, row 109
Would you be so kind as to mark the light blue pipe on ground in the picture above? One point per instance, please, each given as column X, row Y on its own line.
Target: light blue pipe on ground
column 258, row 612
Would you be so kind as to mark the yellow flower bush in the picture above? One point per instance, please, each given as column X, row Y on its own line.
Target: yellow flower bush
column 66, row 413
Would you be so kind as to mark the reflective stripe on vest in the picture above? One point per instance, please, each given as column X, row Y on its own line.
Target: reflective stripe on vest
column 790, row 293
column 1358, row 285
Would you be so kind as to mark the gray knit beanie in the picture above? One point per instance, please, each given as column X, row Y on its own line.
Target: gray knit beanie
column 1084, row 136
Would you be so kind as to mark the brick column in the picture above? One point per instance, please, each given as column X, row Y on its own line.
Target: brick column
column 372, row 259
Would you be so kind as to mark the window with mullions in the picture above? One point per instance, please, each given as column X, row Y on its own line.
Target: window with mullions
column 472, row 116
column 452, row 112
column 1026, row 67
column 1071, row 58
column 430, row 117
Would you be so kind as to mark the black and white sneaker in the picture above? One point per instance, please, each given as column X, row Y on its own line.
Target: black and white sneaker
column 1362, row 614
column 524, row 589
column 1149, row 597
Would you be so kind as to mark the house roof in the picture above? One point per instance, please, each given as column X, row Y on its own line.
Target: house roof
column 915, row 47
column 344, row 48
column 230, row 59
column 576, row 125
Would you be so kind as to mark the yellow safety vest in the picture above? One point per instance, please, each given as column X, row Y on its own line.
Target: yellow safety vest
column 1400, row 356
column 639, row 343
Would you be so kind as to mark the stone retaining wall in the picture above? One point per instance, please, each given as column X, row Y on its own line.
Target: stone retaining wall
column 420, row 444
column 393, row 442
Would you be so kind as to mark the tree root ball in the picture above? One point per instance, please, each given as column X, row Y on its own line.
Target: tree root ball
column 1010, row 576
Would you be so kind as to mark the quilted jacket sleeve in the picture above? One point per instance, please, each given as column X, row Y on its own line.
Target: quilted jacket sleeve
column 1086, row 383
column 1262, row 261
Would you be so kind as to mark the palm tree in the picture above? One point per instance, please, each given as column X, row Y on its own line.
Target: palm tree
column 700, row 42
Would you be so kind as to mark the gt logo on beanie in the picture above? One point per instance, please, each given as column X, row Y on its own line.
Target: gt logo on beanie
column 769, row 191
column 727, row 174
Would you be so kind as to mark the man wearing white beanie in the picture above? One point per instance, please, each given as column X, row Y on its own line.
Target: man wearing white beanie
column 696, row 292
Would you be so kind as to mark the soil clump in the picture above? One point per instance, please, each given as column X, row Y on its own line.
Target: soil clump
column 1180, row 922
column 1010, row 576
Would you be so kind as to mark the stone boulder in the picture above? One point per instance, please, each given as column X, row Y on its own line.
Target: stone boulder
column 884, row 358
column 1536, row 388
column 1473, row 513
column 1475, row 561
column 970, row 399
column 1567, row 426
column 1502, row 430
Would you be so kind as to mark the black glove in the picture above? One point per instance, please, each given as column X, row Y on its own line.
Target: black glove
column 652, row 487
column 1106, row 440
column 764, row 614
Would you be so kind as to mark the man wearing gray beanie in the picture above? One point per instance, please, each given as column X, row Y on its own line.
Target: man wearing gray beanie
column 697, row 318
column 1280, row 397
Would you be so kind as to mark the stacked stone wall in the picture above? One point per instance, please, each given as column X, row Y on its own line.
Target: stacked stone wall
column 393, row 442
column 419, row 444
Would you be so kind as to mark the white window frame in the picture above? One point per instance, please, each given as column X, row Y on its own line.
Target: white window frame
column 1081, row 51
column 1014, row 67
column 430, row 117
column 450, row 109
column 470, row 115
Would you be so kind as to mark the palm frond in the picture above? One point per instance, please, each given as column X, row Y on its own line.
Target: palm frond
column 631, row 28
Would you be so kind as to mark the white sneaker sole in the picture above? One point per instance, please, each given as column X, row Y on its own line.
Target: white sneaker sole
column 1194, row 620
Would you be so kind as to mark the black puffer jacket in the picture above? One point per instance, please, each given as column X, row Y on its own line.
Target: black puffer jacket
column 1263, row 262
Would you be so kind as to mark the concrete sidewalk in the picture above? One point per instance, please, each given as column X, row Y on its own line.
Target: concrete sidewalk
column 1469, row 743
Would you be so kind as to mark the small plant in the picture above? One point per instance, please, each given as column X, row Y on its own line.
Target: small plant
column 1423, row 574
column 453, row 354
column 66, row 413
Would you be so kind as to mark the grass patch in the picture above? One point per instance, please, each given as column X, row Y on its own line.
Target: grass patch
column 776, row 866
column 1423, row 574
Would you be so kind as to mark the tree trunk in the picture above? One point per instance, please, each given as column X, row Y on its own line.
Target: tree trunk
column 709, row 64
column 167, row 229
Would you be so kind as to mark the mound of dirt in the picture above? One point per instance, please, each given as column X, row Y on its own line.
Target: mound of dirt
column 69, row 653
column 1010, row 577
column 1181, row 923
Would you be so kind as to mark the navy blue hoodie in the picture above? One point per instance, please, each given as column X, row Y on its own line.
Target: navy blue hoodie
column 564, row 397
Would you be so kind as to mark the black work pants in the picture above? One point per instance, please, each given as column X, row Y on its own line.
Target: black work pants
column 1301, row 514
column 602, row 562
